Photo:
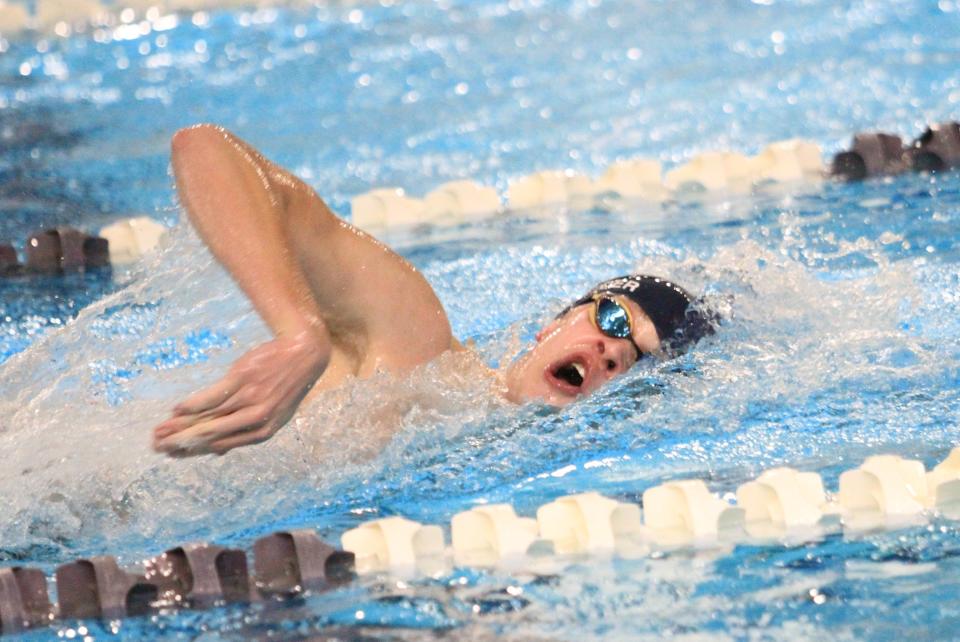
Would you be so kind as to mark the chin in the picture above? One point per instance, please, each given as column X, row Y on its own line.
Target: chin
column 525, row 391
column 525, row 383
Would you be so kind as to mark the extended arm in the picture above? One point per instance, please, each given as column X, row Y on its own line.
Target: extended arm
column 335, row 298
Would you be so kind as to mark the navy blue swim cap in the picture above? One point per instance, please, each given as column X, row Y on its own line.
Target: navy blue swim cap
column 680, row 320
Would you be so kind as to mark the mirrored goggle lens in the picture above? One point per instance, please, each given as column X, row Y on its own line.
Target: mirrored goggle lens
column 612, row 319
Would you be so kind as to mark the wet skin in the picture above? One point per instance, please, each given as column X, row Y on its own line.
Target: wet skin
column 340, row 304
column 574, row 340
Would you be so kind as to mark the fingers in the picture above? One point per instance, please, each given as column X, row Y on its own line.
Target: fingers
column 171, row 426
column 183, row 419
column 196, row 439
column 208, row 398
column 221, row 446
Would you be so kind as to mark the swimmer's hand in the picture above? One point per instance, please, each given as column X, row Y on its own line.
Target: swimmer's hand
column 255, row 399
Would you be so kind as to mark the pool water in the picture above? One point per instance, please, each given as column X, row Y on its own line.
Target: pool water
column 841, row 336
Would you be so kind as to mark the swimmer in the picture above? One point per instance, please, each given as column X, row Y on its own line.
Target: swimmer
column 341, row 304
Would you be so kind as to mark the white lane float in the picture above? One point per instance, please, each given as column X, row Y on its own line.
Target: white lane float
column 385, row 207
column 591, row 523
column 686, row 513
column 790, row 160
column 130, row 239
column 550, row 187
column 943, row 484
column 782, row 503
column 637, row 178
column 728, row 171
column 629, row 179
column 785, row 502
column 459, row 201
column 395, row 543
column 885, row 488
column 486, row 535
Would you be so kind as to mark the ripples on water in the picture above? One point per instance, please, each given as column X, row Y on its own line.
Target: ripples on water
column 839, row 341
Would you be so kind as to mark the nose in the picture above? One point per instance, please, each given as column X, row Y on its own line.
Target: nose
column 613, row 356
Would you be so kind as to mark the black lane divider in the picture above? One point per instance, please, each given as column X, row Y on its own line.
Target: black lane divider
column 197, row 576
column 880, row 154
column 24, row 601
column 56, row 251
column 99, row 588
column 291, row 561
column 201, row 575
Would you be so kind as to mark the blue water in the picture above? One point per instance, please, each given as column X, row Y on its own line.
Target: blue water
column 840, row 339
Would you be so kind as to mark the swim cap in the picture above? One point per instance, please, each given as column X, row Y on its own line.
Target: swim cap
column 678, row 319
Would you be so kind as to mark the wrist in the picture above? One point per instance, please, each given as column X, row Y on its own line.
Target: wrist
column 311, row 344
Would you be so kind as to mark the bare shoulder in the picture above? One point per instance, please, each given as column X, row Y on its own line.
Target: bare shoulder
column 380, row 310
column 377, row 305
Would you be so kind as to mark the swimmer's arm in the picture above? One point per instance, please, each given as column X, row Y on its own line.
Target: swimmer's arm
column 377, row 307
column 239, row 206
column 312, row 276
column 239, row 210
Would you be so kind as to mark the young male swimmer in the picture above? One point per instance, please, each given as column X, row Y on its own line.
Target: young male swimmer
column 341, row 304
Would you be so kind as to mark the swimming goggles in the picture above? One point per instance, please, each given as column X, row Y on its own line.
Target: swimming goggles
column 613, row 319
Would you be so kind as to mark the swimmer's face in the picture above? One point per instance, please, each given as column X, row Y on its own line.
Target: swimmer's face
column 572, row 357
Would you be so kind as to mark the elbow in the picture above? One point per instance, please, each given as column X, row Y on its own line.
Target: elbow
column 190, row 139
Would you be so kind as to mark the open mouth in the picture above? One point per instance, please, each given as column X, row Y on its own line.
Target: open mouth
column 572, row 373
column 568, row 376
